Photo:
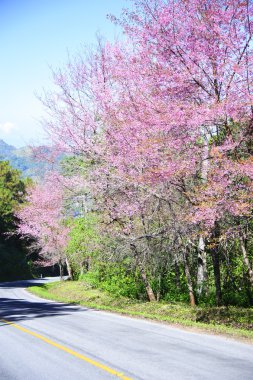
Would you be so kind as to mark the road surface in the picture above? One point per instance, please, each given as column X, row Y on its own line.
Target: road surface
column 44, row 340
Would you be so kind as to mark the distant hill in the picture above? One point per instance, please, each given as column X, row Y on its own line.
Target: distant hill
column 5, row 149
column 23, row 160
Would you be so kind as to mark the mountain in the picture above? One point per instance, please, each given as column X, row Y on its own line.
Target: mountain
column 5, row 149
column 23, row 160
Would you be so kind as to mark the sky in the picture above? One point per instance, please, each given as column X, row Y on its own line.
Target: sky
column 37, row 35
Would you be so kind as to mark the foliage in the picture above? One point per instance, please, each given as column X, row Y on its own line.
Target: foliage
column 12, row 193
column 42, row 219
column 14, row 262
column 116, row 278
column 84, row 243
column 158, row 133
column 13, row 259
column 234, row 322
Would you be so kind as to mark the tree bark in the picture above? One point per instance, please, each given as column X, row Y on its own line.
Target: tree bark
column 246, row 260
column 177, row 272
column 149, row 290
column 216, row 270
column 202, row 270
column 61, row 270
column 189, row 280
column 70, row 274
column 216, row 264
column 205, row 157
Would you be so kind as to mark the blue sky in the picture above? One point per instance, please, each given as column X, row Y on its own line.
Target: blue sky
column 35, row 35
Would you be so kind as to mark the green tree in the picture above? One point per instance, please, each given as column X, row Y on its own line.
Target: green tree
column 13, row 253
column 12, row 192
column 84, row 243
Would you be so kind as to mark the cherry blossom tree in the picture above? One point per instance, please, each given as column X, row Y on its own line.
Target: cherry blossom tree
column 42, row 218
column 166, row 114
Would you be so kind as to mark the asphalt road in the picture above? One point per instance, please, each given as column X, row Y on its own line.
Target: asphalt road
column 51, row 341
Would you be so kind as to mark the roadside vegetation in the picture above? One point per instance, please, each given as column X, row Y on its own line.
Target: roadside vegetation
column 152, row 203
column 231, row 321
column 14, row 262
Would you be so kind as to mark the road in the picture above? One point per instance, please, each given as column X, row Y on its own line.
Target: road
column 42, row 340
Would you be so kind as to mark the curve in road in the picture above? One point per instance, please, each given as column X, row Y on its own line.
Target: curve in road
column 48, row 340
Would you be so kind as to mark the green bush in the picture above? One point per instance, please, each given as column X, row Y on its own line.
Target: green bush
column 117, row 279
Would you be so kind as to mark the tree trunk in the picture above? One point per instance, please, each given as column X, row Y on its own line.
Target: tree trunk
column 61, row 270
column 88, row 263
column 158, row 293
column 246, row 260
column 70, row 274
column 216, row 264
column 216, row 270
column 205, row 157
column 204, row 168
column 202, row 270
column 189, row 280
column 149, row 290
column 177, row 272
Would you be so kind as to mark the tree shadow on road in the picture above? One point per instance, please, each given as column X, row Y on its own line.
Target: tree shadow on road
column 24, row 283
column 20, row 309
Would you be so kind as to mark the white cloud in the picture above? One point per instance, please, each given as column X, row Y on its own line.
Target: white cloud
column 7, row 127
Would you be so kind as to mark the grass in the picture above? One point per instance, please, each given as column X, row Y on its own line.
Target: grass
column 231, row 321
